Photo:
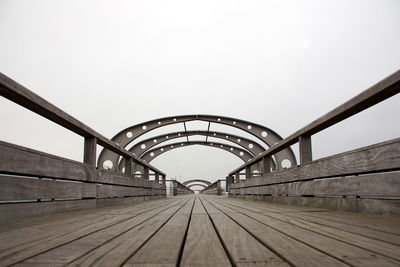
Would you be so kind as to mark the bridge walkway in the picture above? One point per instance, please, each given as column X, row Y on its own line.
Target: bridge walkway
column 202, row 231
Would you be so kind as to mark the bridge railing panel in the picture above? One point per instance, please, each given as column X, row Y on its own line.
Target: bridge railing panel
column 180, row 189
column 362, row 180
column 213, row 189
column 36, row 183
column 304, row 180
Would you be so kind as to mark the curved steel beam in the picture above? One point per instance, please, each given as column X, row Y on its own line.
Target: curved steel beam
column 250, row 145
column 153, row 153
column 268, row 136
column 142, row 147
column 240, row 153
column 196, row 181
column 190, row 186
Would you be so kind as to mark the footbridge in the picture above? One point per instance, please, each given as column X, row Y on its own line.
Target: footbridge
column 112, row 209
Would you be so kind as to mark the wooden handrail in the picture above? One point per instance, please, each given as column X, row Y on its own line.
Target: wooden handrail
column 384, row 89
column 19, row 94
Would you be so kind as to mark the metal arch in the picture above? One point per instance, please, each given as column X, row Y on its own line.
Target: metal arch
column 248, row 144
column 190, row 186
column 240, row 153
column 142, row 147
column 196, row 181
column 268, row 136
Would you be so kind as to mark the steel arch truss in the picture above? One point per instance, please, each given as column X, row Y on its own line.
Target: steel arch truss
column 153, row 153
column 130, row 134
column 143, row 148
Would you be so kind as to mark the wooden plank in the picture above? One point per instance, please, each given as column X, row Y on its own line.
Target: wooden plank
column 23, row 188
column 371, row 206
column 382, row 224
column 371, row 244
column 12, row 237
column 386, row 224
column 11, row 212
column 25, row 251
column 375, row 185
column 71, row 251
column 24, row 161
column 379, row 157
column 358, row 250
column 202, row 246
column 291, row 250
column 165, row 246
column 378, row 235
column 121, row 248
column 21, row 160
column 22, row 244
column 244, row 249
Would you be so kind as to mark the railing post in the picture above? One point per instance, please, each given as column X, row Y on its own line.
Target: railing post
column 146, row 173
column 163, row 179
column 128, row 167
column 219, row 189
column 305, row 149
column 266, row 165
column 156, row 177
column 229, row 180
column 248, row 172
column 237, row 177
column 175, row 188
column 89, row 151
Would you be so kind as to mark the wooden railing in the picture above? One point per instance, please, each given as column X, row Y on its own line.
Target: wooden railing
column 213, row 189
column 180, row 189
column 365, row 179
column 36, row 183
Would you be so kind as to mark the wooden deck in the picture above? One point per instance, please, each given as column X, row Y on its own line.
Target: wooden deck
column 202, row 231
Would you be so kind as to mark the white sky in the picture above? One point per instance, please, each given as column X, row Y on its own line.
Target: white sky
column 113, row 64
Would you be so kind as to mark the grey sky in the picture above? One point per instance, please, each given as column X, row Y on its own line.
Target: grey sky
column 113, row 64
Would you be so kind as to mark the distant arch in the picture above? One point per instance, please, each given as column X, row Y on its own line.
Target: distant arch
column 192, row 185
column 196, row 181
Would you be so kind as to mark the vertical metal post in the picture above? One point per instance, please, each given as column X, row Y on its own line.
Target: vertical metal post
column 156, row 177
column 305, row 149
column 237, row 177
column 89, row 151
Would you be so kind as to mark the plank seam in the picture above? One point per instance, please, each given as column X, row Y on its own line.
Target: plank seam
column 331, row 237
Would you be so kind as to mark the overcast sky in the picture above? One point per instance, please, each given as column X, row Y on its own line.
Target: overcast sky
column 282, row 64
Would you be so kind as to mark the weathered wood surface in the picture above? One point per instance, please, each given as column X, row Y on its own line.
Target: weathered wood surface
column 202, row 231
column 17, row 93
column 375, row 158
column 384, row 89
column 37, row 183
column 361, row 180
column 25, row 161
